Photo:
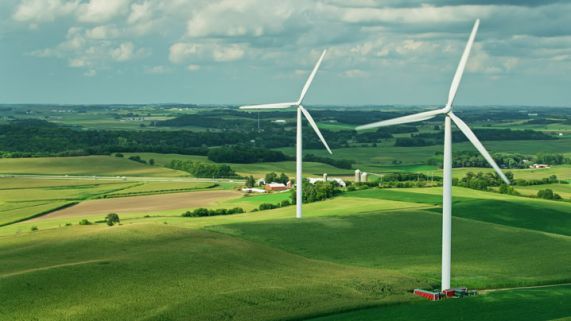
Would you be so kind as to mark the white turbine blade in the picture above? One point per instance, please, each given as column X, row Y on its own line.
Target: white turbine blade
column 403, row 120
column 314, row 125
column 462, row 65
column 310, row 79
column 476, row 142
column 270, row 106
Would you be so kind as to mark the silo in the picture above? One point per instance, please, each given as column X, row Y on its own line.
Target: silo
column 357, row 176
column 325, row 177
column 364, row 177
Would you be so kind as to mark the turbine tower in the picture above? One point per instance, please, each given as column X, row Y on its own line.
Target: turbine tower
column 300, row 110
column 449, row 117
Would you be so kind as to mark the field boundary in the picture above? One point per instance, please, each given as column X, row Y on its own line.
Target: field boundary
column 41, row 213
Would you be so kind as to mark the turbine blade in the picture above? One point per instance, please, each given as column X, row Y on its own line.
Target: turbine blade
column 314, row 125
column 403, row 120
column 462, row 65
column 310, row 79
column 476, row 142
column 270, row 106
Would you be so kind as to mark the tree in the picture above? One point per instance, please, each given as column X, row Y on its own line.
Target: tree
column 271, row 177
column 112, row 218
column 151, row 162
column 283, row 178
column 548, row 194
column 250, row 181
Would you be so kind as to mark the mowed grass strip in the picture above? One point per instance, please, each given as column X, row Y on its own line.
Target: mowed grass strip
column 484, row 255
column 160, row 272
column 17, row 212
column 552, row 303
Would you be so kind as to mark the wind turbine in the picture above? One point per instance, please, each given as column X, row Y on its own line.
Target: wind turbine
column 300, row 110
column 447, row 166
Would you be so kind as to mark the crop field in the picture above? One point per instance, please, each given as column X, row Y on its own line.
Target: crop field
column 347, row 253
column 144, row 205
column 82, row 166
column 256, row 169
column 22, row 198
column 527, row 304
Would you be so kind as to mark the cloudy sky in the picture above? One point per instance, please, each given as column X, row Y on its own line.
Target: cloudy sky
column 255, row 51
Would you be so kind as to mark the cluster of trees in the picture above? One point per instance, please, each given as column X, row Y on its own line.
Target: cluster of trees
column 481, row 181
column 317, row 192
column 548, row 194
column 198, row 169
column 504, row 160
column 274, row 177
column 138, row 159
column 244, row 155
column 546, row 180
column 270, row 206
column 339, row 163
column 485, row 134
column 552, row 159
column 41, row 138
column 200, row 212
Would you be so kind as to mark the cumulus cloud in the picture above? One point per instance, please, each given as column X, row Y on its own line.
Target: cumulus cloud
column 287, row 35
column 124, row 52
column 101, row 10
column 37, row 11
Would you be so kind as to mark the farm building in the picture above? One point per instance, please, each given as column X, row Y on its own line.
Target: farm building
column 539, row 166
column 253, row 190
column 274, row 187
column 313, row 180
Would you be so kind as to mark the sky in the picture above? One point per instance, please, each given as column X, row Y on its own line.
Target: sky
column 257, row 51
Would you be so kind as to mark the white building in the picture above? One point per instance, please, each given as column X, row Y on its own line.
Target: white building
column 313, row 180
column 253, row 190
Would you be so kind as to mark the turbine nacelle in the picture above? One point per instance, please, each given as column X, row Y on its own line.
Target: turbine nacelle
column 298, row 104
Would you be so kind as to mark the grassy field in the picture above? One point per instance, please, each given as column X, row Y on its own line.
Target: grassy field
column 166, row 273
column 354, row 257
column 256, row 169
column 378, row 158
column 527, row 304
column 83, row 166
column 364, row 249
column 562, row 189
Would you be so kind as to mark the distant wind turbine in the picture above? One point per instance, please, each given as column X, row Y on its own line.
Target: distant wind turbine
column 447, row 166
column 300, row 110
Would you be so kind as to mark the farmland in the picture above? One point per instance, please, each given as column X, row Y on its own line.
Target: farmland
column 355, row 256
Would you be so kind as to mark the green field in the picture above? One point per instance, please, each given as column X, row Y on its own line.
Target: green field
column 256, row 169
column 527, row 304
column 364, row 249
column 82, row 166
column 356, row 256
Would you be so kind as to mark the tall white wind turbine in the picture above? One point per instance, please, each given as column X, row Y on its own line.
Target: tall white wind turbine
column 447, row 166
column 300, row 110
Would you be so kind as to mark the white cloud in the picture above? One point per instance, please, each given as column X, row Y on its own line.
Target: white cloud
column 180, row 51
column 230, row 53
column 193, row 67
column 36, row 11
column 124, row 52
column 101, row 10
column 241, row 18
column 103, row 32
